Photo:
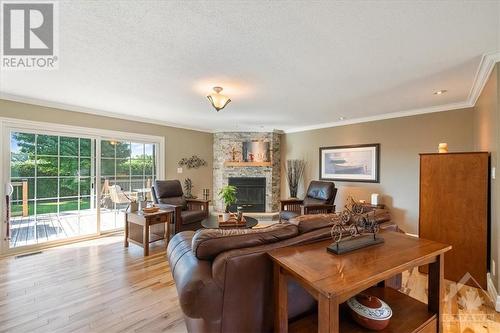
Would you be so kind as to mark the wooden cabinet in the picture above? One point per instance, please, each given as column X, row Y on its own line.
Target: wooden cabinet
column 454, row 196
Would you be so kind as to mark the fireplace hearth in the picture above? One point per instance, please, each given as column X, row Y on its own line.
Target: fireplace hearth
column 251, row 193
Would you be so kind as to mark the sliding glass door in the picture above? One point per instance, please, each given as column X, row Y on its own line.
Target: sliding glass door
column 67, row 186
column 52, row 177
column 128, row 170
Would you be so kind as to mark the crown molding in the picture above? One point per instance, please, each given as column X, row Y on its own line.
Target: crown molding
column 486, row 65
column 400, row 114
column 69, row 107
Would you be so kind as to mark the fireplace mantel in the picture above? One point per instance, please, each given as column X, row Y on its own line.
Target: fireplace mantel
column 247, row 164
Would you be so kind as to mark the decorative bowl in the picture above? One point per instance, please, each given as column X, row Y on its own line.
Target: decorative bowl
column 369, row 311
column 149, row 210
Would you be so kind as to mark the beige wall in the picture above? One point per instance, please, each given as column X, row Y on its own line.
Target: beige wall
column 401, row 140
column 179, row 143
column 486, row 136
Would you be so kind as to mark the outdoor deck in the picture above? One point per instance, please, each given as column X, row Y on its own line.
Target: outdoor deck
column 49, row 227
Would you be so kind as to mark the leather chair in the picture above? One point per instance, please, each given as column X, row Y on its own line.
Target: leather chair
column 320, row 198
column 188, row 212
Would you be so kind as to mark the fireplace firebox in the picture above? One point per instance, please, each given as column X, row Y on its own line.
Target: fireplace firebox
column 251, row 193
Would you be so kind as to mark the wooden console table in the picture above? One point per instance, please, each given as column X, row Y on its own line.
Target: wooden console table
column 333, row 279
column 138, row 228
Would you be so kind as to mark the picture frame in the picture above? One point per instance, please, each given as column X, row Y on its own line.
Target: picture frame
column 353, row 163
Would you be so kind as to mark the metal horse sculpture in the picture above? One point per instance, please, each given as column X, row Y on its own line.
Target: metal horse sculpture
column 353, row 221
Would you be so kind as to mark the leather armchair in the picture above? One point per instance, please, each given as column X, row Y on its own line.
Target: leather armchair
column 188, row 212
column 319, row 199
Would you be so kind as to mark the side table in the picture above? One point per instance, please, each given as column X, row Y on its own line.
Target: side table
column 333, row 279
column 138, row 228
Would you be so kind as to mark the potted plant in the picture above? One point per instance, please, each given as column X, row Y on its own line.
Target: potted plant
column 228, row 195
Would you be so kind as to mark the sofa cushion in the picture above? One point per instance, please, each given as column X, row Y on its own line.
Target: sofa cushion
column 287, row 215
column 311, row 201
column 307, row 223
column 208, row 243
column 192, row 216
column 176, row 201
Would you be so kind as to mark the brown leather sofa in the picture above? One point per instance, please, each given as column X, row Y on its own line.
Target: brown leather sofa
column 188, row 212
column 320, row 198
column 224, row 278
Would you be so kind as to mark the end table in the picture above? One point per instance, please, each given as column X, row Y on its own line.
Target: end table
column 138, row 228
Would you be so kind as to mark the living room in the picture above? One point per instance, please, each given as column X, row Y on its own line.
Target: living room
column 221, row 166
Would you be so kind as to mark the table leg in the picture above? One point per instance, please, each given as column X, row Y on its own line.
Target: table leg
column 328, row 314
column 126, row 231
column 436, row 290
column 167, row 236
column 145, row 241
column 280, row 300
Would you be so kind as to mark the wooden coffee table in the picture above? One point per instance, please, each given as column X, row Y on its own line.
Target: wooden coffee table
column 333, row 279
column 138, row 228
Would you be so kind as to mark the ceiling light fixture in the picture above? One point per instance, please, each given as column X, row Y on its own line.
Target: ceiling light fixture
column 218, row 101
column 341, row 118
column 440, row 92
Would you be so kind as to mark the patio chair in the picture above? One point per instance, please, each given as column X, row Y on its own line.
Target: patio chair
column 118, row 196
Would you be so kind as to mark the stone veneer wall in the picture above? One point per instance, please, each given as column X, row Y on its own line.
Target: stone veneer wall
column 223, row 145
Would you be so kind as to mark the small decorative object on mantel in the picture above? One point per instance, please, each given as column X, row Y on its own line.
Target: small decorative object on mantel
column 193, row 162
column 443, row 148
column 294, row 173
column 188, row 189
column 228, row 196
column 369, row 311
column 234, row 153
column 359, row 228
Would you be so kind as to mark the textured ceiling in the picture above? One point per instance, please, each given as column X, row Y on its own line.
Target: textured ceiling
column 285, row 64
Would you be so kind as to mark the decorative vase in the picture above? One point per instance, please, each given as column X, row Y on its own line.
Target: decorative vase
column 225, row 217
column 134, row 206
column 143, row 204
column 293, row 191
column 369, row 311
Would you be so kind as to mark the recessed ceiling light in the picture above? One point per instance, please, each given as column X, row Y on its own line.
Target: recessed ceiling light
column 341, row 118
column 440, row 92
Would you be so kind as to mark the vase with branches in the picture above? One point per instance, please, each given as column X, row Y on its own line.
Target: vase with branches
column 294, row 173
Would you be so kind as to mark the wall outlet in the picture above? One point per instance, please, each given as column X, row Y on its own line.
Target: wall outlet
column 493, row 172
column 493, row 267
column 179, row 170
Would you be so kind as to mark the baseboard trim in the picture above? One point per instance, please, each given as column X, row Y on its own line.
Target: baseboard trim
column 493, row 293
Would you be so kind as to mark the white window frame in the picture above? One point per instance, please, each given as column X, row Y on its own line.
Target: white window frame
column 8, row 125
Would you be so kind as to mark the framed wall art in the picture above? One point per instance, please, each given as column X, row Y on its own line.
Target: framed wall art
column 355, row 163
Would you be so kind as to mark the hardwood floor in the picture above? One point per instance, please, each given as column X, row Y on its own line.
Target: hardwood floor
column 95, row 286
column 100, row 286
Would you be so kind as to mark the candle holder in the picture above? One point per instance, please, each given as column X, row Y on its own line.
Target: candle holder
column 206, row 194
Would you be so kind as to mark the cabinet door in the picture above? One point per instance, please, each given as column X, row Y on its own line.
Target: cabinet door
column 454, row 210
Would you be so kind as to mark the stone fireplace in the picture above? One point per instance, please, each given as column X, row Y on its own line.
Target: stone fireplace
column 256, row 173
